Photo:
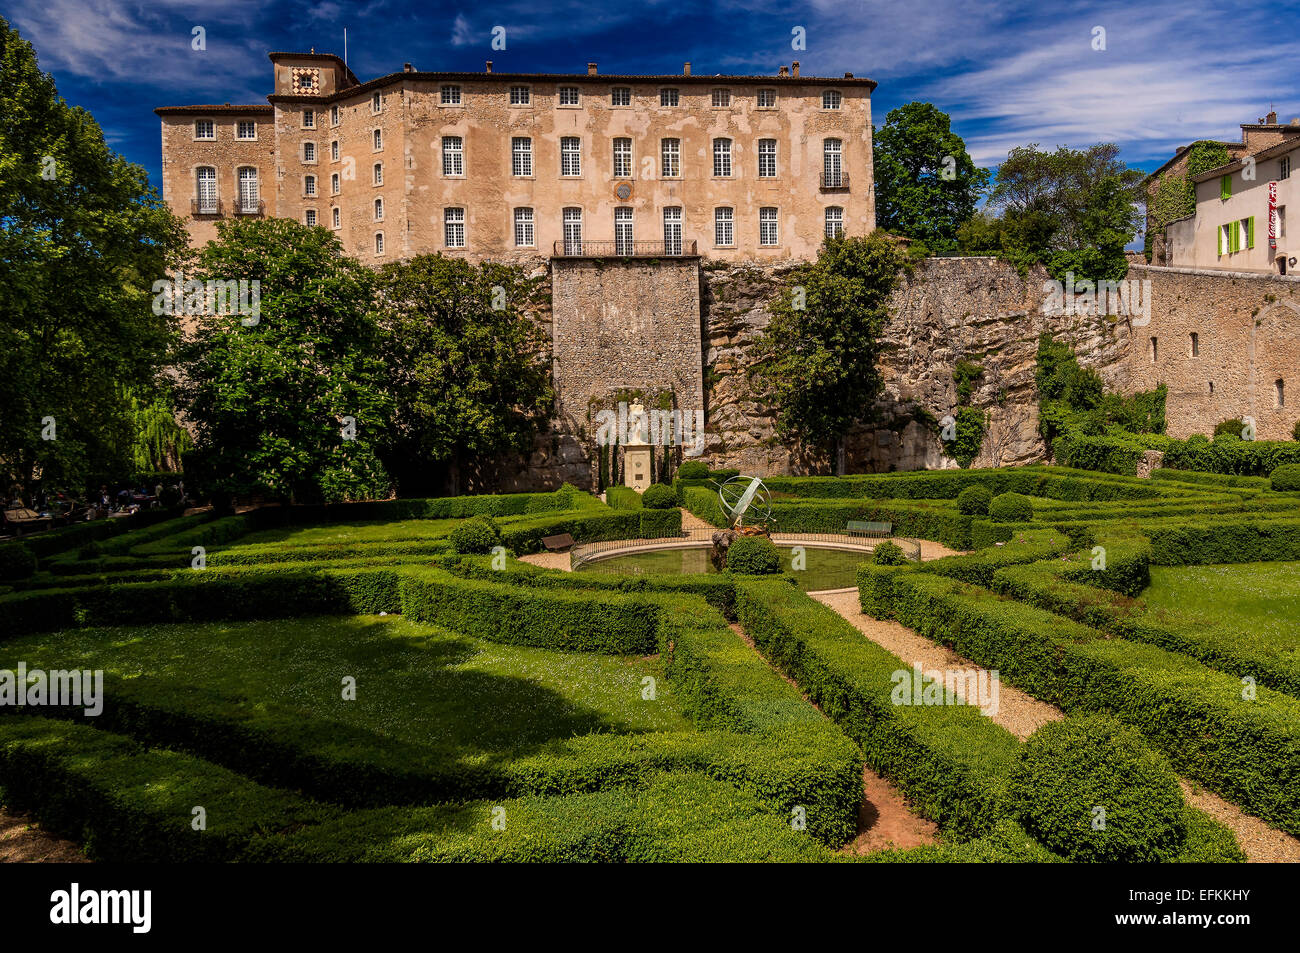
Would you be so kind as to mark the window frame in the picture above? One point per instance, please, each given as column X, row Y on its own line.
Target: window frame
column 827, row 219
column 309, row 145
column 211, row 125
column 453, row 153
column 198, row 189
column 613, row 97
column 521, row 156
column 529, row 222
column 377, row 208
column 377, row 174
column 775, row 221
column 771, row 155
column 727, row 222
column 376, row 103
column 309, row 119
column 448, row 221
column 379, row 243
column 239, row 130
column 723, row 156
column 450, row 96
column 561, row 94
column 720, row 93
column 309, row 186
column 676, row 155
column 670, row 92
column 832, row 96
column 567, row 153
column 616, row 154
column 758, row 98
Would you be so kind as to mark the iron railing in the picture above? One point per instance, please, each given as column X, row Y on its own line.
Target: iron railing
column 701, row 536
column 834, row 181
column 204, row 207
column 618, row 249
column 250, row 208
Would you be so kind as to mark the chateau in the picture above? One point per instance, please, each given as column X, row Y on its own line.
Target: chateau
column 514, row 166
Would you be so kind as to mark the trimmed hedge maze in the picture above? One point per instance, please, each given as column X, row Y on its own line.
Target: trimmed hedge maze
column 502, row 712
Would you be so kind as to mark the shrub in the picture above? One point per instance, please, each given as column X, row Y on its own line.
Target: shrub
column 476, row 535
column 1295, row 431
column 16, row 561
column 1070, row 769
column 658, row 497
column 888, row 554
column 1286, row 477
column 974, row 501
column 1011, row 508
column 1229, row 428
column 753, row 556
column 693, row 470
column 622, row 498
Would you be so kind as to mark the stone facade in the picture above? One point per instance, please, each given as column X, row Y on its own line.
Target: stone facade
column 418, row 162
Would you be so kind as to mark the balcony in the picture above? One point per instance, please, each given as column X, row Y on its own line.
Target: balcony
column 245, row 207
column 586, row 249
column 834, row 181
column 206, row 207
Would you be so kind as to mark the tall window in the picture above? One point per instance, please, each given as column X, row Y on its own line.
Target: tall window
column 722, row 97
column 673, row 231
column 1279, row 393
column 570, row 155
column 207, row 190
column 767, row 99
column 1155, row 350
column 622, row 158
column 246, row 130
column 620, row 96
column 378, row 173
column 831, row 99
column 309, row 152
column 669, row 97
column 834, row 221
column 623, row 231
column 310, row 218
column 453, row 227
column 309, row 185
column 722, row 157
column 671, row 161
column 450, row 95
column 335, row 212
column 379, row 139
column 767, row 231
column 309, row 119
column 521, row 95
column 376, row 103
column 379, row 210
column 521, row 156
column 453, row 155
column 524, row 227
column 334, row 184
column 205, row 129
column 568, row 95
column 334, row 150
column 723, row 227
column 1284, row 167
column 334, row 115
column 248, row 192
column 379, row 243
column 832, row 164
column 1195, row 345
column 573, row 231
column 766, row 158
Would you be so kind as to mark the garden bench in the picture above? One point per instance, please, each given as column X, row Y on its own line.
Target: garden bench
column 559, row 543
column 21, row 518
column 867, row 528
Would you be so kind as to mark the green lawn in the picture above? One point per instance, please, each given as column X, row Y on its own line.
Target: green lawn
column 448, row 694
column 351, row 533
column 824, row 568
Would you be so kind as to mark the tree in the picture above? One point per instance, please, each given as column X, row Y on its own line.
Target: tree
column 1175, row 195
column 817, row 359
column 290, row 402
column 82, row 239
column 927, row 185
column 468, row 373
column 1073, row 210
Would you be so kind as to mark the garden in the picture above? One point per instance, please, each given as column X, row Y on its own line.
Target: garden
column 402, row 681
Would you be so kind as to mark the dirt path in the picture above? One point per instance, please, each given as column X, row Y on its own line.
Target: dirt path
column 22, row 841
column 547, row 560
column 1022, row 714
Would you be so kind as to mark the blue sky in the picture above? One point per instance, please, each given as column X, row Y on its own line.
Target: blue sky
column 1008, row 73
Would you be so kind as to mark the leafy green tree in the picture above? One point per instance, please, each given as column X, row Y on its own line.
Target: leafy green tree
column 927, row 185
column 817, row 360
column 82, row 239
column 468, row 372
column 1073, row 210
column 293, row 405
column 159, row 438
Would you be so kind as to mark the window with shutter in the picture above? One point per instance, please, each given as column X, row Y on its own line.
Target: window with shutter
column 1225, row 186
column 1250, row 232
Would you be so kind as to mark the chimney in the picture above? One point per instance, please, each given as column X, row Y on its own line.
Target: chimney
column 686, row 68
column 848, row 75
column 591, row 69
column 1272, row 118
column 783, row 71
column 794, row 68
column 406, row 68
column 487, row 66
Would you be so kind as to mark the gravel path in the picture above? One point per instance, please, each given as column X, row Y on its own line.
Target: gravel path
column 547, row 560
column 1022, row 714
column 22, row 841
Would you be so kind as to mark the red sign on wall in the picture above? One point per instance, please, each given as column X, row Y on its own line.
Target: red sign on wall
column 1272, row 216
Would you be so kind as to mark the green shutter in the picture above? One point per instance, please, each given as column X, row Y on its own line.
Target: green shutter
column 1250, row 232
column 1234, row 236
column 1225, row 186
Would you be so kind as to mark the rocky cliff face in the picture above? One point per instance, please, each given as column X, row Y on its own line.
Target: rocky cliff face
column 977, row 309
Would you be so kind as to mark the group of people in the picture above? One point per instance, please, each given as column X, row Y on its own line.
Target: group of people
column 59, row 504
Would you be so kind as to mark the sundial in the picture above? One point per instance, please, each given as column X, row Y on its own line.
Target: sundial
column 745, row 497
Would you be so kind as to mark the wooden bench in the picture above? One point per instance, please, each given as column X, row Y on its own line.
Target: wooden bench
column 23, row 518
column 558, row 544
column 867, row 528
